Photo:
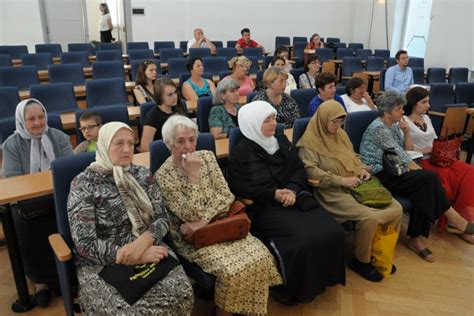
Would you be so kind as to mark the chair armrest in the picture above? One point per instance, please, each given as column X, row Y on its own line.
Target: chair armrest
column 441, row 114
column 60, row 248
column 313, row 183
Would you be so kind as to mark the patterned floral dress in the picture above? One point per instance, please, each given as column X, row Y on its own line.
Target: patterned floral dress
column 244, row 269
column 99, row 227
column 287, row 111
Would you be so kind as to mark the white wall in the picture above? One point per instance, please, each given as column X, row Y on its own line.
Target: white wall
column 223, row 19
column 450, row 41
column 20, row 23
column 93, row 17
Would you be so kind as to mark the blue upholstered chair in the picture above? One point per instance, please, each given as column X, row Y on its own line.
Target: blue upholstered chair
column 66, row 73
column 75, row 58
column 54, row 49
column 9, row 99
column 20, row 77
column 98, row 92
column 107, row 69
column 56, row 97
column 303, row 97
column 40, row 60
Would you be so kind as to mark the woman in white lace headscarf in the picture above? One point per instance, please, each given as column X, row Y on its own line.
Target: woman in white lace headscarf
column 32, row 148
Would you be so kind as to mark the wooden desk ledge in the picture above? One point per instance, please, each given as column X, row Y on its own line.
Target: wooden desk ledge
column 60, row 248
column 435, row 113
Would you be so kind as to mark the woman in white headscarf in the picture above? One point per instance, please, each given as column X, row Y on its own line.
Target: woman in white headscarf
column 117, row 215
column 306, row 241
column 31, row 149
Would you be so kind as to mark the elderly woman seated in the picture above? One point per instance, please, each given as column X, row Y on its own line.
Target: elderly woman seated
column 391, row 132
column 307, row 242
column 329, row 158
column 279, row 62
column 240, row 67
column 118, row 216
column 197, row 86
column 196, row 191
column 31, row 149
column 458, row 178
column 223, row 115
column 274, row 79
column 357, row 98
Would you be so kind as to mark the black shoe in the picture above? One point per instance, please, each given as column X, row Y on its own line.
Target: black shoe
column 281, row 298
column 394, row 269
column 43, row 297
column 366, row 270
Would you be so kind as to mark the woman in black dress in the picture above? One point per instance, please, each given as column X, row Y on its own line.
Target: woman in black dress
column 306, row 241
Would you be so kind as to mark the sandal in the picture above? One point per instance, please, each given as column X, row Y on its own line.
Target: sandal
column 469, row 230
column 424, row 254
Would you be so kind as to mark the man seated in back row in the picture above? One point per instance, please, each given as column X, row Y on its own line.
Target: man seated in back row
column 200, row 41
column 246, row 42
column 399, row 77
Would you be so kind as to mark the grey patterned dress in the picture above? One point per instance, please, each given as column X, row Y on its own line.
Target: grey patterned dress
column 287, row 111
column 99, row 227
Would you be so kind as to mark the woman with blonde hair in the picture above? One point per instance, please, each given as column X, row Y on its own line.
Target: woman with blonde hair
column 240, row 67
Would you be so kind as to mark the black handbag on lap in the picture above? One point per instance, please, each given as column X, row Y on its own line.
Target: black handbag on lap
column 132, row 282
column 392, row 164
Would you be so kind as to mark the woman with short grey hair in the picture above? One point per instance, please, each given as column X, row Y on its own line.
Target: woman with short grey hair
column 422, row 187
column 223, row 115
column 195, row 191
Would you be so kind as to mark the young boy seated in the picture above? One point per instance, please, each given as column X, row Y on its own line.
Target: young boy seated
column 90, row 123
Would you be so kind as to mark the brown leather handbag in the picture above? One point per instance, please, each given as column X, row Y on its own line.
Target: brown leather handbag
column 225, row 226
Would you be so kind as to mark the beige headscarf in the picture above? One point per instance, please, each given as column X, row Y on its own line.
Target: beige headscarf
column 337, row 146
column 137, row 203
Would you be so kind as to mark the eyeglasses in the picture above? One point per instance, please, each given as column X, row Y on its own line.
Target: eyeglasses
column 88, row 128
column 148, row 61
column 338, row 121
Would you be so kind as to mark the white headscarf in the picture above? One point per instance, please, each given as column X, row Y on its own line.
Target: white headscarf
column 135, row 199
column 251, row 117
column 41, row 147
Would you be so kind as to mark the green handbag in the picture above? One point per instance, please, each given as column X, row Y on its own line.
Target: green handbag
column 371, row 193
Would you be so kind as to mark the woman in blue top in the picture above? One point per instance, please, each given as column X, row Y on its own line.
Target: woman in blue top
column 197, row 86
column 223, row 115
column 422, row 187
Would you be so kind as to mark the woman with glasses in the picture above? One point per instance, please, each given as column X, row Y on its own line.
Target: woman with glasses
column 329, row 157
column 31, row 149
column 146, row 76
column 168, row 103
column 197, row 86
column 312, row 66
column 240, row 68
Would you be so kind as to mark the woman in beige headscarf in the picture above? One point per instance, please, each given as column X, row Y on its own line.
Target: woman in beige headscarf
column 329, row 158
column 117, row 215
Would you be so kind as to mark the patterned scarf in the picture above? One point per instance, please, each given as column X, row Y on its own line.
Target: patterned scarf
column 135, row 199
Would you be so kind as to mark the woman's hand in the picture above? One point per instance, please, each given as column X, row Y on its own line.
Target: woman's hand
column 154, row 254
column 364, row 175
column 191, row 164
column 413, row 166
column 188, row 229
column 130, row 253
column 285, row 197
column 404, row 126
column 351, row 182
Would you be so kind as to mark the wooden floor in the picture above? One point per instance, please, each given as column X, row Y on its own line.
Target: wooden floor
column 445, row 287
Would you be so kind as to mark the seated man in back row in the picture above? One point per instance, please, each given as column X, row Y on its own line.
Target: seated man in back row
column 399, row 77
column 246, row 42
column 200, row 41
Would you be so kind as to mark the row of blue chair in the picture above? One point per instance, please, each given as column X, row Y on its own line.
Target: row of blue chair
column 60, row 97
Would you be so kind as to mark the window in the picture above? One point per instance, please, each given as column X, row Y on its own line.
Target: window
column 417, row 27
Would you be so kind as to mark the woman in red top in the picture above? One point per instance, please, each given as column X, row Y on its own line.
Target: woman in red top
column 314, row 43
